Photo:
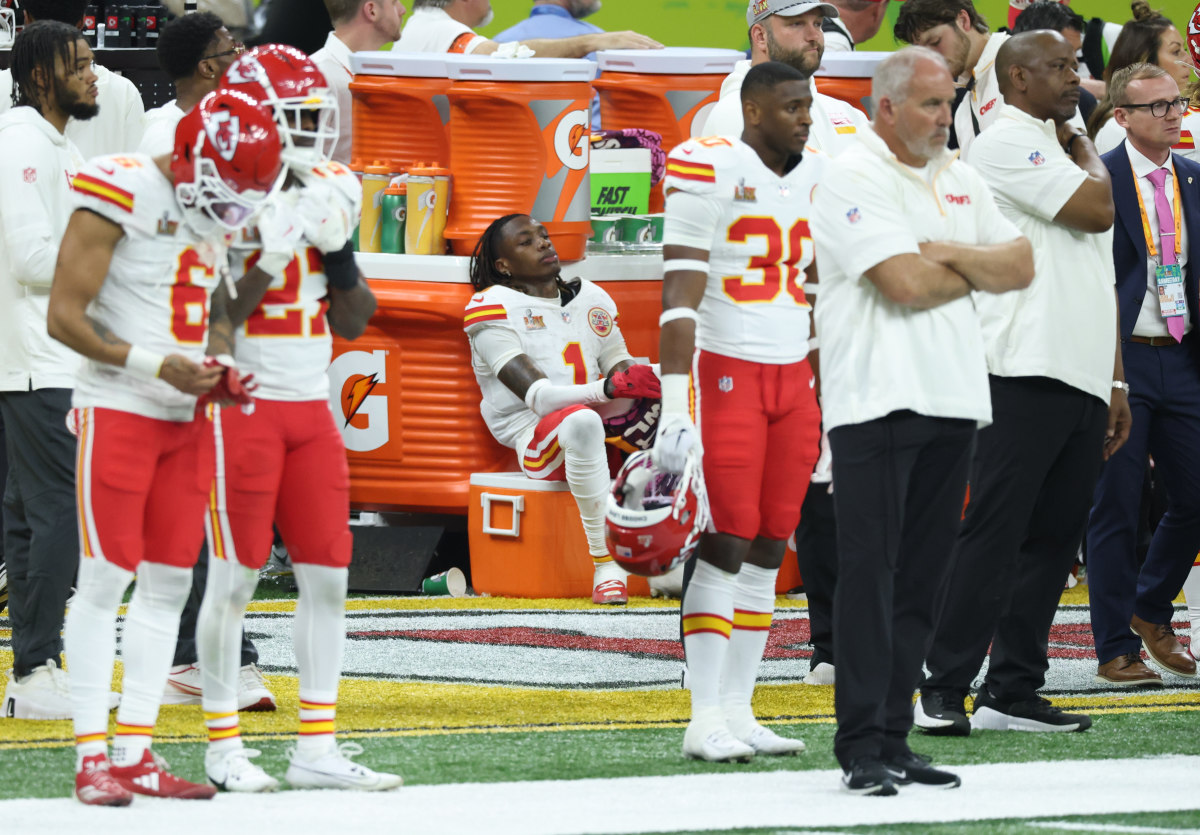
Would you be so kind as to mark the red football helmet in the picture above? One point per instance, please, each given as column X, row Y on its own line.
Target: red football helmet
column 1193, row 39
column 226, row 161
column 286, row 81
column 654, row 518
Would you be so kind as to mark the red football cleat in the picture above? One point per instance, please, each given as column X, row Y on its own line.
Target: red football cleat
column 95, row 786
column 150, row 776
column 611, row 592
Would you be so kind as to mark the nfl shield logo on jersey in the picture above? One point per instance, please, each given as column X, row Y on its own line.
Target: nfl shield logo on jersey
column 854, row 215
column 1036, row 158
column 725, row 384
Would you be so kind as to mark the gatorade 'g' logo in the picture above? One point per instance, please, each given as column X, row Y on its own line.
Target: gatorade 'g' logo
column 571, row 139
column 361, row 412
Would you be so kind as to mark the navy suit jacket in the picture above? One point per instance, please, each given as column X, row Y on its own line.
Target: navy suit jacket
column 1129, row 240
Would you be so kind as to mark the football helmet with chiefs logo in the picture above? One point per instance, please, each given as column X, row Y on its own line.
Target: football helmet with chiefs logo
column 654, row 518
column 226, row 162
column 287, row 81
column 1193, row 39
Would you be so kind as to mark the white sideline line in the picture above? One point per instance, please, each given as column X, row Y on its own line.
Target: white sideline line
column 725, row 800
column 1110, row 827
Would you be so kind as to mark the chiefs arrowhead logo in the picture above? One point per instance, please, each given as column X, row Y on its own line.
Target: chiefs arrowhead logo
column 223, row 129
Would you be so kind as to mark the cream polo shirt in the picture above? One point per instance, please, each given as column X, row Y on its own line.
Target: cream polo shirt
column 333, row 59
column 878, row 357
column 984, row 100
column 433, row 30
column 835, row 123
column 1150, row 321
column 1063, row 325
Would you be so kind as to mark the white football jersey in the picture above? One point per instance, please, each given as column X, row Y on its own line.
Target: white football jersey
column 754, row 225
column 156, row 294
column 572, row 343
column 1188, row 133
column 286, row 341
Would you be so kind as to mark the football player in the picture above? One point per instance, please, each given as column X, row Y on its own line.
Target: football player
column 285, row 463
column 544, row 350
column 735, row 249
column 136, row 292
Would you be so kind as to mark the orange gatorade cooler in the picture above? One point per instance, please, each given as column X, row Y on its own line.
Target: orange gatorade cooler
column 847, row 76
column 669, row 91
column 400, row 108
column 526, row 539
column 519, row 143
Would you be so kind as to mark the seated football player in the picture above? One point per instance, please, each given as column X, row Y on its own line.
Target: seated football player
column 546, row 353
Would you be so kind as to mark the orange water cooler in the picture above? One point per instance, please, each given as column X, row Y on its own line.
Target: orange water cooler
column 519, row 143
column 847, row 76
column 669, row 91
column 401, row 110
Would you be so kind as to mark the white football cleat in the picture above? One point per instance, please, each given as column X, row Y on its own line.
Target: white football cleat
column 823, row 673
column 669, row 585
column 232, row 771
column 708, row 738
column 332, row 770
column 766, row 741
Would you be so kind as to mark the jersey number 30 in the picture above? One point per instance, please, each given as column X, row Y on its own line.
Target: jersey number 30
column 772, row 264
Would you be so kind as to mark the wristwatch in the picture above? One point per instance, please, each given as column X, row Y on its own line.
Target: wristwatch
column 1122, row 385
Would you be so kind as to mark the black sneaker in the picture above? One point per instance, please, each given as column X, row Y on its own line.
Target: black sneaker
column 1036, row 714
column 913, row 768
column 868, row 776
column 941, row 713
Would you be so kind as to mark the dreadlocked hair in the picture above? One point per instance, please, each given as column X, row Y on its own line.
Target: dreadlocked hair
column 487, row 249
column 37, row 47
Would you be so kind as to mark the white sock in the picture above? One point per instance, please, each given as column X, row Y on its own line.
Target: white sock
column 318, row 636
column 147, row 649
column 707, row 614
column 227, row 592
column 1191, row 593
column 90, row 639
column 753, row 607
column 581, row 435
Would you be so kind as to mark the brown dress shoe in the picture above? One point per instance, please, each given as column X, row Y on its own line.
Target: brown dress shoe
column 1128, row 671
column 1164, row 648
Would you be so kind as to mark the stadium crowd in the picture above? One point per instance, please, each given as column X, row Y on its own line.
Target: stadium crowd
column 990, row 282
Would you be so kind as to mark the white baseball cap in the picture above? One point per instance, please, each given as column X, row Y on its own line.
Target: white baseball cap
column 758, row 10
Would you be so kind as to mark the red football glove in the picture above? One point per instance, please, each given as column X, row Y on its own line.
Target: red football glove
column 232, row 387
column 635, row 381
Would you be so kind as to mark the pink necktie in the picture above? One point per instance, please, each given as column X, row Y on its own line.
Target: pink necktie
column 1166, row 237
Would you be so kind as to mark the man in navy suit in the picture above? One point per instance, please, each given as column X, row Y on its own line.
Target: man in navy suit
column 1156, row 252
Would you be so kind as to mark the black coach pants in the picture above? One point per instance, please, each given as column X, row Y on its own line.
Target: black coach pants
column 1032, row 479
column 899, row 487
column 41, row 527
column 816, row 554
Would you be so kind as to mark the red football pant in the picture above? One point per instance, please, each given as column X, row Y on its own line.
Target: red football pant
column 761, row 430
column 284, row 463
column 142, row 485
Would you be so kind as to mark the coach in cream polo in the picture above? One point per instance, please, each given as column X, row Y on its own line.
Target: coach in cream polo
column 1052, row 353
column 904, row 233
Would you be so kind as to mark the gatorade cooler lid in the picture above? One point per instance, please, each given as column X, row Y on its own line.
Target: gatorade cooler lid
column 485, row 68
column 405, row 64
column 850, row 64
column 671, row 60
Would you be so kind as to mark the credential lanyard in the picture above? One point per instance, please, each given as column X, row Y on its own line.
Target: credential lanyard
column 1149, row 233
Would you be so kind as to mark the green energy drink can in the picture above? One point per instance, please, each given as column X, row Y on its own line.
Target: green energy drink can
column 392, row 215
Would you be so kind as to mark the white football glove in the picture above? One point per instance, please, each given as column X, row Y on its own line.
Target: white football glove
column 675, row 438
column 325, row 218
column 279, row 234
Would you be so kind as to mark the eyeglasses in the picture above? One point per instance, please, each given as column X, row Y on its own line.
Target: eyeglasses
column 237, row 49
column 1158, row 109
